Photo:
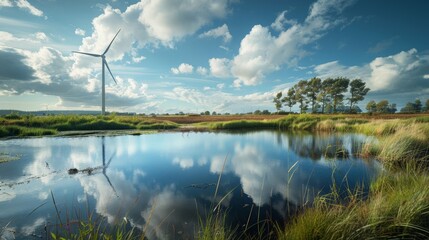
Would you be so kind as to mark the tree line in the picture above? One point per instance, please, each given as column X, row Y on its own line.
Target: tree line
column 323, row 96
column 384, row 106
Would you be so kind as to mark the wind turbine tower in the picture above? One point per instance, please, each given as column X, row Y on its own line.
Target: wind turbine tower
column 103, row 64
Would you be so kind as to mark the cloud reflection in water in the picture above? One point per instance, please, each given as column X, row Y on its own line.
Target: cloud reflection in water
column 148, row 176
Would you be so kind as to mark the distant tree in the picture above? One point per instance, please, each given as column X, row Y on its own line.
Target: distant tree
column 266, row 112
column 257, row 112
column 324, row 94
column 301, row 95
column 278, row 101
column 206, row 113
column 313, row 89
column 357, row 92
column 418, row 105
column 415, row 107
column 409, row 108
column 214, row 113
column 337, row 91
column 392, row 108
column 382, row 106
column 427, row 106
column 289, row 99
column 371, row 106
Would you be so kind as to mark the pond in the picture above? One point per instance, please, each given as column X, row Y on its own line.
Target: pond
column 165, row 181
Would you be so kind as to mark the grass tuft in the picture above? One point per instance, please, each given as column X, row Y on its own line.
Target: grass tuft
column 214, row 227
column 397, row 207
column 408, row 143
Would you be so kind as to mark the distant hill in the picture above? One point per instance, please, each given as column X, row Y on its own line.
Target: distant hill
column 55, row 112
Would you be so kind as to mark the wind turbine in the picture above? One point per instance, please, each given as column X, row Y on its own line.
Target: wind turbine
column 106, row 166
column 103, row 63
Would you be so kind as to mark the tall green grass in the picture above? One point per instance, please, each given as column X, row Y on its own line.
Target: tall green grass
column 89, row 227
column 305, row 122
column 13, row 130
column 16, row 125
column 297, row 122
column 94, row 228
column 214, row 227
column 397, row 208
column 400, row 145
column 96, row 124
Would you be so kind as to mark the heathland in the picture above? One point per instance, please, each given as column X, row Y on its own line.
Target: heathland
column 397, row 205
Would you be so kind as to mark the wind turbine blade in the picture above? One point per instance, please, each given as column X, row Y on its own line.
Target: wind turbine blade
column 111, row 185
column 110, row 72
column 107, row 49
column 110, row 159
column 89, row 54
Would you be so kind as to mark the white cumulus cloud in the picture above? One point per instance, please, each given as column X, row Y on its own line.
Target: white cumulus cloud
column 220, row 67
column 167, row 20
column 47, row 71
column 147, row 22
column 261, row 52
column 183, row 68
column 404, row 71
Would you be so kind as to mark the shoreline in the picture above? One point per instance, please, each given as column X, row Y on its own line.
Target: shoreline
column 402, row 148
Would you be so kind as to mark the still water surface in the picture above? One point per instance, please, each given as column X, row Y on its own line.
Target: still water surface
column 173, row 175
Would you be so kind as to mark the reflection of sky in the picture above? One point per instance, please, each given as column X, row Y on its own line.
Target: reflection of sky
column 156, row 180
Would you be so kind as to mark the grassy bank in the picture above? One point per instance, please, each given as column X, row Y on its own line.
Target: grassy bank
column 15, row 125
column 398, row 140
column 14, row 130
column 397, row 207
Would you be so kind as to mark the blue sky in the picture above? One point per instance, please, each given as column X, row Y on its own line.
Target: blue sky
column 192, row 56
